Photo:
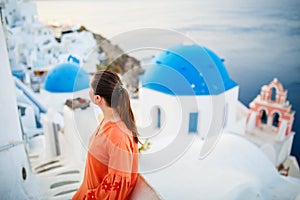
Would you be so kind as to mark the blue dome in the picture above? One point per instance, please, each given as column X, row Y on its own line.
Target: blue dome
column 187, row 70
column 68, row 77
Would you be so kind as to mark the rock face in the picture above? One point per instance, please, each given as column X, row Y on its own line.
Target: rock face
column 118, row 61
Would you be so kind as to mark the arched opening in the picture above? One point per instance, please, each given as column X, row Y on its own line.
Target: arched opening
column 263, row 117
column 158, row 122
column 273, row 95
column 156, row 115
column 24, row 174
column 275, row 119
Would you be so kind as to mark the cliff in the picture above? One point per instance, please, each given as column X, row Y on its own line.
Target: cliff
column 120, row 62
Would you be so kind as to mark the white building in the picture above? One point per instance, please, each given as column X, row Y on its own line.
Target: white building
column 186, row 89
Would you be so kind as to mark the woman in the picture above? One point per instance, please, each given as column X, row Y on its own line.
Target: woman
column 112, row 159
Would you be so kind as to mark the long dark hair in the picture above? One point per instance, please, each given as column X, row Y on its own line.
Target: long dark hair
column 108, row 85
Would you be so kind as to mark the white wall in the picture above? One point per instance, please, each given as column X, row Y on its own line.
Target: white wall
column 171, row 116
column 285, row 150
column 79, row 126
column 231, row 98
column 13, row 157
column 176, row 111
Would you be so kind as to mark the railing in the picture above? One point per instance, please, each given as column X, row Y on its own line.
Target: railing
column 26, row 140
column 8, row 146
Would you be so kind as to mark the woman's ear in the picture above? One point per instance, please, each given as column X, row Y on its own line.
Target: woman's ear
column 97, row 99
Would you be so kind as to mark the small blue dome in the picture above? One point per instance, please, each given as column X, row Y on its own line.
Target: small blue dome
column 67, row 77
column 187, row 70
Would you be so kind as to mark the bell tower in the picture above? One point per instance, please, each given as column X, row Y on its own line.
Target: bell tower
column 270, row 120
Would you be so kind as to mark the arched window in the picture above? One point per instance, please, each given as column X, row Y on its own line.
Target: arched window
column 263, row 117
column 273, row 95
column 156, row 115
column 275, row 119
column 158, row 123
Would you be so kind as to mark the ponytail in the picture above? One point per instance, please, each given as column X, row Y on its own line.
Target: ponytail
column 108, row 85
column 121, row 103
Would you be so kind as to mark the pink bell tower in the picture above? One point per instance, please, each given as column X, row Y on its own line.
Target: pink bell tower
column 272, row 112
column 270, row 120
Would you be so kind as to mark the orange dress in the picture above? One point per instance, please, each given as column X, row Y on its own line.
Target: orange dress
column 112, row 164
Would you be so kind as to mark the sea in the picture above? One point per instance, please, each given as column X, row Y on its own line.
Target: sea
column 259, row 39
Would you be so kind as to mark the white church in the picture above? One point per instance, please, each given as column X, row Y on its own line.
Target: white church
column 187, row 90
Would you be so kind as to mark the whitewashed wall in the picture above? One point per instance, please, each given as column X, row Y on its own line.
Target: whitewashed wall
column 175, row 111
column 13, row 158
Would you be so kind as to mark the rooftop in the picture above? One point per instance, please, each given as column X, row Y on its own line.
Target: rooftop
column 188, row 70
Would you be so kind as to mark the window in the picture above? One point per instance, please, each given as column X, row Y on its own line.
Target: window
column 158, row 123
column 275, row 119
column 273, row 95
column 264, row 117
column 193, row 123
column 156, row 116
